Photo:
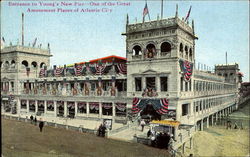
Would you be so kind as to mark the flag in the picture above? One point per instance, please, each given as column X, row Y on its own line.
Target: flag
column 188, row 13
column 145, row 10
column 34, row 43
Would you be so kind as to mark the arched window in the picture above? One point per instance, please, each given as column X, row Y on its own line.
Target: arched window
column 6, row 64
column 137, row 50
column 42, row 65
column 181, row 50
column 186, row 52
column 225, row 74
column 25, row 63
column 165, row 47
column 13, row 64
column 34, row 64
column 190, row 54
column 151, row 51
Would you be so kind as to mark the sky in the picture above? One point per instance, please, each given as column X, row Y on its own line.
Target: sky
column 222, row 26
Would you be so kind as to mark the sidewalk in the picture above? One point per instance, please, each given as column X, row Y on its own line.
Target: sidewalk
column 89, row 124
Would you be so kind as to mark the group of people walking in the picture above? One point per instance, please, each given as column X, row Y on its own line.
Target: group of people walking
column 34, row 121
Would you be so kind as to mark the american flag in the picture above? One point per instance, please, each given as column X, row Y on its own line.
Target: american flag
column 145, row 10
column 78, row 70
column 42, row 73
column 58, row 71
column 188, row 13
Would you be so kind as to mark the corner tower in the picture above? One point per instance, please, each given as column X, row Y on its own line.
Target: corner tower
column 153, row 51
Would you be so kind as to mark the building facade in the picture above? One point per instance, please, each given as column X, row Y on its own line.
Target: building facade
column 157, row 79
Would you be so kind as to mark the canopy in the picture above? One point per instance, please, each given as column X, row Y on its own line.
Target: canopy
column 166, row 122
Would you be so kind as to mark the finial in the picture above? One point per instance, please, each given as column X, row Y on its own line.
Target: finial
column 176, row 11
column 48, row 46
column 136, row 20
column 127, row 19
column 158, row 17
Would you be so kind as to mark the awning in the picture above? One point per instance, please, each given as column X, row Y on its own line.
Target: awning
column 166, row 122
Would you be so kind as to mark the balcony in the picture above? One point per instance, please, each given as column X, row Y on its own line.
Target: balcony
column 74, row 93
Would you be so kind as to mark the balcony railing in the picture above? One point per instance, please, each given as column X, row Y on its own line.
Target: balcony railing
column 73, row 93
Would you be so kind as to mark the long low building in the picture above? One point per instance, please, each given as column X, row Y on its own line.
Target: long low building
column 157, row 80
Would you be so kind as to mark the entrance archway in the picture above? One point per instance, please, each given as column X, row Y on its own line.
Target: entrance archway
column 149, row 112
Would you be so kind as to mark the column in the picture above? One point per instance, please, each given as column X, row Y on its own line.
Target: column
column 143, row 79
column 191, row 143
column 9, row 85
column 36, row 106
column 18, row 106
column 212, row 121
column 113, row 109
column 208, row 122
column 45, row 107
column 55, row 108
column 183, row 148
column 65, row 108
column 100, row 109
column 87, row 108
column 158, row 83
column 216, row 116
column 28, row 106
column 75, row 108
column 201, row 124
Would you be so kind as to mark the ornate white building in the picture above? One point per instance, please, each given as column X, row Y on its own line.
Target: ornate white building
column 156, row 79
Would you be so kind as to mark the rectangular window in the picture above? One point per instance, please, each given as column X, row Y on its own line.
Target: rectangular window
column 12, row 86
column 184, row 109
column 119, row 85
column 150, row 82
column 93, row 85
column 106, row 85
column 138, row 84
column 164, row 83
column 186, row 86
column 197, row 108
column 190, row 85
column 181, row 83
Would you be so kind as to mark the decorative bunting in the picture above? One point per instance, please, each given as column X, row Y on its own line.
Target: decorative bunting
column 160, row 105
column 42, row 73
column 121, row 106
column 58, row 71
column 121, row 68
column 78, row 70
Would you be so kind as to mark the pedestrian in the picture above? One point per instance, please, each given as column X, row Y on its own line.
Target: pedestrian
column 142, row 124
column 31, row 119
column 41, row 126
column 35, row 120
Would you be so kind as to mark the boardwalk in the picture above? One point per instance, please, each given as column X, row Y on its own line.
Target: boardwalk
column 24, row 140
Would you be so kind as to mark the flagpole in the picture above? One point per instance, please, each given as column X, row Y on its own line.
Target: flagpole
column 226, row 58
column 161, row 9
